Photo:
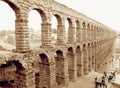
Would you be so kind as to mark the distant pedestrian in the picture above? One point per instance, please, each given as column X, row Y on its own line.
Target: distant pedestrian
column 105, row 63
column 96, row 82
column 110, row 78
column 114, row 75
column 95, row 79
column 103, row 83
column 105, row 74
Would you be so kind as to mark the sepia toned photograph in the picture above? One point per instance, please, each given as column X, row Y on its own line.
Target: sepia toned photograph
column 59, row 44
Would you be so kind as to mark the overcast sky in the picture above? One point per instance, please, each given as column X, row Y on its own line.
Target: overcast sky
column 104, row 11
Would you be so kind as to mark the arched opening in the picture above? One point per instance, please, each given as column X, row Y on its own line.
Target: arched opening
column 84, row 32
column 91, row 32
column 78, row 32
column 59, row 32
column 70, row 61
column 85, row 59
column 89, row 58
column 84, row 24
column 8, row 72
column 97, row 33
column 34, row 24
column 78, row 49
column 42, row 34
column 66, row 30
column 46, row 72
column 68, row 24
column 88, row 32
column 88, row 26
column 77, row 24
column 18, row 65
column 7, row 25
column 79, row 60
column 60, row 67
column 98, row 59
column 94, row 32
column 54, row 23
column 59, row 54
column 71, row 31
column 70, row 50
column 44, row 59
column 71, row 64
column 57, row 29
column 93, row 56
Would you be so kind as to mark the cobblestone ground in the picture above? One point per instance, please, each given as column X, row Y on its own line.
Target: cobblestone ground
column 86, row 81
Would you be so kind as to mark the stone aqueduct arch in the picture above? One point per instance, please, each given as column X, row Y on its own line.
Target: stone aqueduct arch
column 49, row 67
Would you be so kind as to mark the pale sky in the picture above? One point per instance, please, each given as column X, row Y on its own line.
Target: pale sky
column 104, row 11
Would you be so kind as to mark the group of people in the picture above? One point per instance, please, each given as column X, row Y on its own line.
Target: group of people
column 102, row 82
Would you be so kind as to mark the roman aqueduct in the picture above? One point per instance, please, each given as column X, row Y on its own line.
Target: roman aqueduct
column 89, row 42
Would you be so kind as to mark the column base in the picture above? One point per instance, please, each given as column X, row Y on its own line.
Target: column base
column 64, row 81
column 72, row 75
column 86, row 72
column 20, row 51
column 79, row 70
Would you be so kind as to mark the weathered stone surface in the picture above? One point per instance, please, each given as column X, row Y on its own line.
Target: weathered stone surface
column 51, row 65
